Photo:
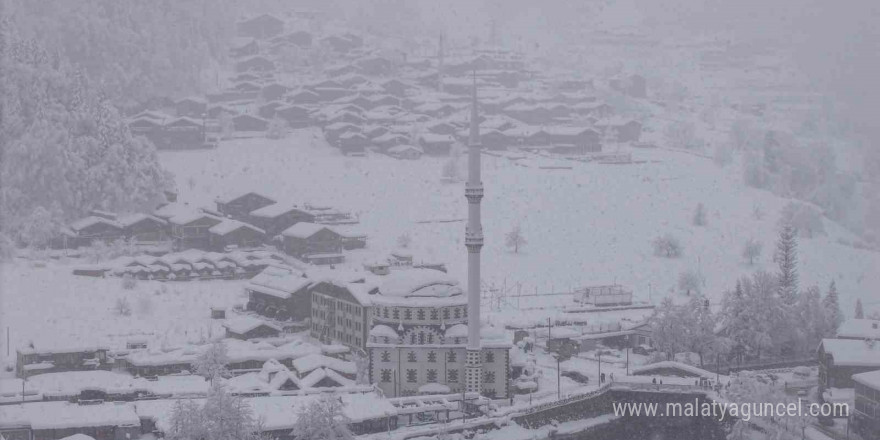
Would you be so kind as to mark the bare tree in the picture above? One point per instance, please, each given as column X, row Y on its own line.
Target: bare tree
column 752, row 250
column 122, row 307
column 323, row 420
column 667, row 245
column 514, row 239
column 212, row 362
column 691, row 281
column 404, row 240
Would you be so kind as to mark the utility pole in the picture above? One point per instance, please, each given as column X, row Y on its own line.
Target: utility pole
column 558, row 379
column 549, row 328
column 600, row 369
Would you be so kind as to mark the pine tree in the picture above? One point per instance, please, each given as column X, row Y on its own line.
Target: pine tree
column 860, row 312
column 831, row 306
column 786, row 259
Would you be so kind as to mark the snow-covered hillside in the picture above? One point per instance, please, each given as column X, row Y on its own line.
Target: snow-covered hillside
column 588, row 225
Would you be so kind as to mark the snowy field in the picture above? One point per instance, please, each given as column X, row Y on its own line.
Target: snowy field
column 592, row 224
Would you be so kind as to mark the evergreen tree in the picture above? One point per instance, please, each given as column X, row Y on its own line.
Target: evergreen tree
column 786, row 259
column 323, row 420
column 860, row 312
column 831, row 305
column 735, row 318
column 212, row 363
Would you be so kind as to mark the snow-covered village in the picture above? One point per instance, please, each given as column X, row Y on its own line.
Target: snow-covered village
column 439, row 220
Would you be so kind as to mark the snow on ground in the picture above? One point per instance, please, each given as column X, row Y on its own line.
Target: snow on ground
column 592, row 224
column 50, row 307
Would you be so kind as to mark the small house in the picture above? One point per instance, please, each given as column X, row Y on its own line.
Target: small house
column 190, row 230
column 257, row 63
column 304, row 97
column 144, row 228
column 277, row 217
column 273, row 91
column 235, row 234
column 244, row 47
column 395, row 87
column 352, row 143
column 280, row 293
column 263, row 26
column 308, row 241
column 436, row 144
column 239, row 205
column 296, row 116
column 248, row 327
column 184, row 133
column 408, row 152
column 840, row 359
column 249, row 123
column 375, row 66
column 191, row 107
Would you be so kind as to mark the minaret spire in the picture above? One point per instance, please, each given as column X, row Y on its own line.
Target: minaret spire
column 473, row 240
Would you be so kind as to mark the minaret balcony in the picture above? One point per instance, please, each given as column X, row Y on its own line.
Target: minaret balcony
column 473, row 191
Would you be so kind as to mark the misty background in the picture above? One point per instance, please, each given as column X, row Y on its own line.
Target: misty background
column 123, row 54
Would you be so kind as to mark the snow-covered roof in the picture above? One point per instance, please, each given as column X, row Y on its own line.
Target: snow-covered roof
column 860, row 329
column 401, row 148
column 360, row 407
column 244, row 324
column 185, row 218
column 689, row 369
column 228, row 198
column 382, row 330
column 228, row 226
column 274, row 210
column 434, row 388
column 433, row 138
column 457, row 331
column 279, row 282
column 131, row 219
column 870, row 379
column 310, row 362
column 853, row 352
column 304, row 230
column 68, row 415
column 419, row 283
column 334, row 349
column 91, row 221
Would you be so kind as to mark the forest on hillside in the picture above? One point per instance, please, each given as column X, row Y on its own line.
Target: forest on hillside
column 71, row 69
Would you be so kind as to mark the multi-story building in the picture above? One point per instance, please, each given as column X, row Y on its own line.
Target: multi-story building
column 418, row 337
column 340, row 312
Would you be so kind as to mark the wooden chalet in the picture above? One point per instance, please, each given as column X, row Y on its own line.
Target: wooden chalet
column 249, row 123
column 620, row 129
column 273, row 91
column 332, row 132
column 261, row 27
column 248, row 327
column 85, row 231
column 840, row 359
column 300, row 38
column 345, row 116
column 314, row 243
column 352, row 143
column 32, row 361
column 190, row 230
column 395, row 87
column 256, row 63
column 280, row 293
column 234, row 234
column 304, row 97
column 277, row 217
column 267, row 110
column 144, row 228
column 244, row 47
column 375, row 66
column 436, row 144
column 296, row 116
column 239, row 205
column 574, row 140
column 409, row 152
column 389, row 140
column 191, row 107
column 494, row 139
column 341, row 43
column 184, row 133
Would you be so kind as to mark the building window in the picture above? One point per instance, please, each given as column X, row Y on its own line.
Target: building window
column 452, row 376
column 431, row 375
column 411, row 356
column 457, row 313
column 407, row 314
column 411, row 376
column 421, row 338
column 385, row 313
column 445, row 313
column 490, row 357
column 435, row 314
column 430, row 338
column 386, row 375
column 451, row 357
column 420, row 315
column 489, row 377
column 412, row 338
column 395, row 313
column 432, row 356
